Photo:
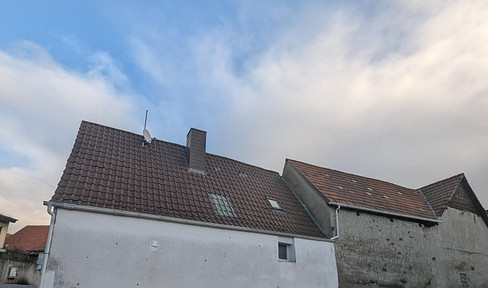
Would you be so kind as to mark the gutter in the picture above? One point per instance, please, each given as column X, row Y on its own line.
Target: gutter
column 47, row 250
column 337, row 222
column 385, row 212
column 428, row 203
column 117, row 212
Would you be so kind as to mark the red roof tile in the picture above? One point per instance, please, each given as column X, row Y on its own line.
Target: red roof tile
column 109, row 168
column 366, row 193
column 439, row 193
column 28, row 239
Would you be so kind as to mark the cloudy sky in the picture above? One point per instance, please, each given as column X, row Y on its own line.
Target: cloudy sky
column 394, row 90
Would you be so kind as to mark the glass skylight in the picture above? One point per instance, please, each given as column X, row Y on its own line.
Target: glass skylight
column 274, row 204
column 221, row 205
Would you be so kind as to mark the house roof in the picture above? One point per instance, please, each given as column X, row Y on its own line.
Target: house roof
column 353, row 191
column 440, row 193
column 28, row 239
column 4, row 218
column 109, row 168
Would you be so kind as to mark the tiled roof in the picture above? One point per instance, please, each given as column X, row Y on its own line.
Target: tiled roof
column 28, row 239
column 439, row 193
column 109, row 168
column 365, row 193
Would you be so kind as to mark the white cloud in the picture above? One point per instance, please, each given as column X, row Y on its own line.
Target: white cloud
column 41, row 107
column 355, row 96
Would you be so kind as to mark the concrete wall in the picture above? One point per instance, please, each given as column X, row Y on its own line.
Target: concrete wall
column 26, row 265
column 100, row 250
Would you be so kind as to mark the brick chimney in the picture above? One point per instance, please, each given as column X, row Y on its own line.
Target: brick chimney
column 195, row 150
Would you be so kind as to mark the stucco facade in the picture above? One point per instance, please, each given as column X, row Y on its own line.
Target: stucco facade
column 101, row 250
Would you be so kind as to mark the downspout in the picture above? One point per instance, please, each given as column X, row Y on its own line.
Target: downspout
column 337, row 223
column 47, row 250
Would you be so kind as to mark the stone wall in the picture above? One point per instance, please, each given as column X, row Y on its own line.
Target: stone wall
column 377, row 251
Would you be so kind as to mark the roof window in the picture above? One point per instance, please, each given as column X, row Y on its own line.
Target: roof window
column 274, row 204
column 242, row 174
column 221, row 205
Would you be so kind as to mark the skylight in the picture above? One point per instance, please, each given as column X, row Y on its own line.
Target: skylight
column 221, row 205
column 274, row 204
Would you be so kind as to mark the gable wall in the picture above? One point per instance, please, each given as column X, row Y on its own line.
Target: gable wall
column 461, row 200
column 101, row 250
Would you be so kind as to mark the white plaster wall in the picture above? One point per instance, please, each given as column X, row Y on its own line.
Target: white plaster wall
column 100, row 250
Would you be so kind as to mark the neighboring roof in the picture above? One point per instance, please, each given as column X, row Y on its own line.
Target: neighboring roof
column 353, row 191
column 4, row 218
column 440, row 193
column 28, row 239
column 109, row 168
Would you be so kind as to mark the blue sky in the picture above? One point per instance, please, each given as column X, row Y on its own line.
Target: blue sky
column 394, row 90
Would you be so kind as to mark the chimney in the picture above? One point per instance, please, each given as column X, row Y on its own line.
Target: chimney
column 195, row 150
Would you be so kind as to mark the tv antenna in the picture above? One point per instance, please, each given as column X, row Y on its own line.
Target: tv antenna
column 145, row 133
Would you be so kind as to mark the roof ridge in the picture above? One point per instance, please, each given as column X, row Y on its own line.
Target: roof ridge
column 356, row 175
column 183, row 146
column 247, row 164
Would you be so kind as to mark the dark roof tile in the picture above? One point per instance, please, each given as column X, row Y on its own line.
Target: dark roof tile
column 109, row 168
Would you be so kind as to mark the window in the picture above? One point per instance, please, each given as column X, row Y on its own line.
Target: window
column 274, row 204
column 282, row 255
column 221, row 205
column 463, row 279
column 286, row 249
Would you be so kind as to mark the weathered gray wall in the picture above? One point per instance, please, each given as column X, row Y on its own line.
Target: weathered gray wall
column 26, row 264
column 379, row 251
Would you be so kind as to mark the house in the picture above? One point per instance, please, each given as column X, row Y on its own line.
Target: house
column 4, row 222
column 30, row 239
column 25, row 252
column 136, row 212
column 391, row 236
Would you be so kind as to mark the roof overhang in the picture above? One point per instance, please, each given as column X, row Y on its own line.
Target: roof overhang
column 4, row 218
column 386, row 213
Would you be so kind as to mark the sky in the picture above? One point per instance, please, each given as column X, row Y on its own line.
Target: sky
column 393, row 90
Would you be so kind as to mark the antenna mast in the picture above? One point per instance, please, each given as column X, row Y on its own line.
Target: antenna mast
column 147, row 137
column 145, row 120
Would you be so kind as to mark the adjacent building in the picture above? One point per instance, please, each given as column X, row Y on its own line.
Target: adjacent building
column 4, row 222
column 136, row 212
column 391, row 236
column 22, row 261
